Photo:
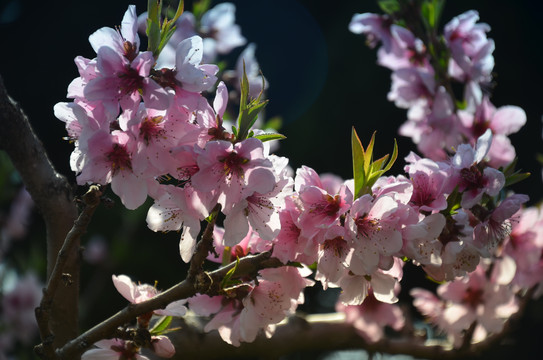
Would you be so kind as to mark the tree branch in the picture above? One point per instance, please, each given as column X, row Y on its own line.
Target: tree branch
column 54, row 199
column 91, row 200
column 185, row 289
column 314, row 333
column 205, row 245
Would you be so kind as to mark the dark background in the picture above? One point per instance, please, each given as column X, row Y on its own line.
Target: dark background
column 323, row 80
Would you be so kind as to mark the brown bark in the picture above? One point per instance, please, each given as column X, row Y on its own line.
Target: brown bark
column 54, row 199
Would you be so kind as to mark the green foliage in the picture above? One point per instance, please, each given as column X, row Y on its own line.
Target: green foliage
column 269, row 136
column 389, row 6
column 513, row 176
column 431, row 12
column 159, row 31
column 200, row 7
column 365, row 170
column 161, row 325
column 248, row 109
column 453, row 202
column 226, row 281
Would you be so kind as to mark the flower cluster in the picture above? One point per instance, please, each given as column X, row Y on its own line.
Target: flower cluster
column 425, row 71
column 483, row 222
column 142, row 122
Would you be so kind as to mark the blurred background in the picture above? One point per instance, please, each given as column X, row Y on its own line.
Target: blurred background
column 322, row 81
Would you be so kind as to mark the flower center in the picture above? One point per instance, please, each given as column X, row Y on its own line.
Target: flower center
column 119, row 158
column 336, row 245
column 473, row 297
column 232, row 164
column 131, row 81
column 150, row 128
column 472, row 178
column 366, row 226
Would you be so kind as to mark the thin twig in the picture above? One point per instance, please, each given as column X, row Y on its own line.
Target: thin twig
column 204, row 246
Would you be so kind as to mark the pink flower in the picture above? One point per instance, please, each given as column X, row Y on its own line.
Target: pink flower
column 124, row 40
column 177, row 208
column 411, row 86
column 110, row 159
column 470, row 48
column 422, row 243
column 162, row 346
column 219, row 24
column 471, row 179
column 260, row 211
column 407, row 51
column 321, row 209
column 435, row 127
column 18, row 307
column 356, row 283
column 193, row 76
column 290, row 244
column 375, row 27
column 126, row 81
column 429, row 185
column 495, row 225
column 459, row 255
column 373, row 229
column 503, row 121
column 332, row 255
column 525, row 245
column 114, row 349
column 143, row 292
column 370, row 318
column 246, row 308
column 476, row 298
column 234, row 171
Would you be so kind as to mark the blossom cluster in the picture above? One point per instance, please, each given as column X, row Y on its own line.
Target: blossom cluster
column 424, row 75
column 142, row 122
column 425, row 70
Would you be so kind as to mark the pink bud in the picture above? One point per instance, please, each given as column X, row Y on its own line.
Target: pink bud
column 163, row 347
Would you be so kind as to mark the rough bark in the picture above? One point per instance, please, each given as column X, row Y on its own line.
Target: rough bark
column 54, row 199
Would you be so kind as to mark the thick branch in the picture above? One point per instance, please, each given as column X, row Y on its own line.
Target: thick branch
column 53, row 198
column 91, row 200
column 314, row 333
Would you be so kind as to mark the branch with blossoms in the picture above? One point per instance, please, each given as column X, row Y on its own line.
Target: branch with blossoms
column 159, row 123
column 204, row 283
column 328, row 332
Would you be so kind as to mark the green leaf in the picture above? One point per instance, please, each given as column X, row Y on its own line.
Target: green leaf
column 393, row 158
column 431, row 12
column 389, row 6
column 159, row 33
column 515, row 178
column 226, row 281
column 248, row 109
column 154, row 9
column 378, row 164
column 200, row 7
column 295, row 264
column 365, row 170
column 368, row 155
column 358, row 163
column 161, row 325
column 270, row 136
column 453, row 202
